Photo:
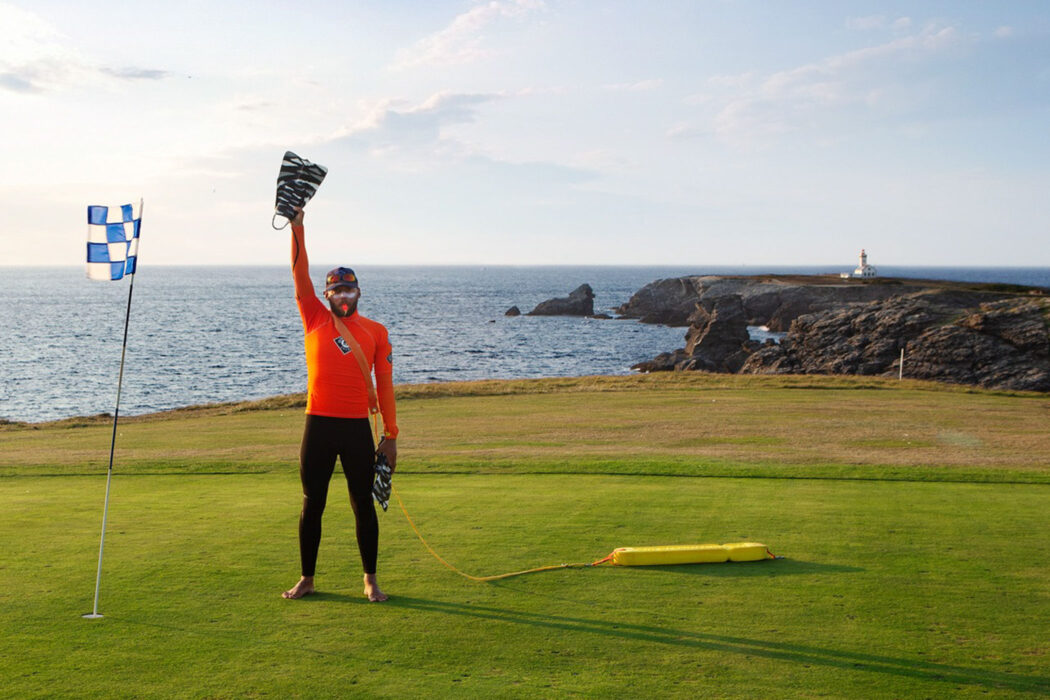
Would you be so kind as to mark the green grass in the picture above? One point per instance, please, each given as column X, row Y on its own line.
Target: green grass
column 915, row 564
column 686, row 424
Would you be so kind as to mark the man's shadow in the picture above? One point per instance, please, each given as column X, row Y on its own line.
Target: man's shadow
column 797, row 653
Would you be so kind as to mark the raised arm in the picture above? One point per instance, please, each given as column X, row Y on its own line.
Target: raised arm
column 300, row 262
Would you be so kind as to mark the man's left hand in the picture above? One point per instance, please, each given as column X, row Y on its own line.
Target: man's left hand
column 388, row 448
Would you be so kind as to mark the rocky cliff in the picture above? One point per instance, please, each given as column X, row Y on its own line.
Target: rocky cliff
column 993, row 336
column 773, row 300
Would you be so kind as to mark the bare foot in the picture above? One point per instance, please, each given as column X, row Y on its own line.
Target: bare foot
column 372, row 591
column 304, row 587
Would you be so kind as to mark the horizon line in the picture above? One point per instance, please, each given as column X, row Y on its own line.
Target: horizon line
column 504, row 264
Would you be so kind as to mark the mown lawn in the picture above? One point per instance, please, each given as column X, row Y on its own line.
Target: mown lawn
column 689, row 424
column 915, row 545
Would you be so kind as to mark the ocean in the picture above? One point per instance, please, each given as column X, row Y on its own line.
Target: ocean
column 215, row 334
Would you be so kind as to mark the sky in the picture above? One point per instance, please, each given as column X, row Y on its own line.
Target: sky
column 531, row 132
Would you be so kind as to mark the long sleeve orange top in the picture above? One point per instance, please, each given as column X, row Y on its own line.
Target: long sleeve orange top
column 335, row 384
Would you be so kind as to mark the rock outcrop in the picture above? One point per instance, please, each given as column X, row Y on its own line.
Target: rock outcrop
column 1003, row 344
column 985, row 335
column 771, row 301
column 512, row 311
column 580, row 302
column 666, row 301
column 717, row 340
column 856, row 339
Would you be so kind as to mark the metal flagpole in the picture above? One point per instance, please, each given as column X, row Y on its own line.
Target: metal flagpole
column 95, row 614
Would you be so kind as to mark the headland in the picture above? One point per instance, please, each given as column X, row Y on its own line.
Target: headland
column 991, row 335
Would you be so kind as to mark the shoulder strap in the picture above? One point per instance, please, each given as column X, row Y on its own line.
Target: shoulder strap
column 362, row 362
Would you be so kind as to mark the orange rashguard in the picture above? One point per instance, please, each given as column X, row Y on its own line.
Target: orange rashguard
column 335, row 385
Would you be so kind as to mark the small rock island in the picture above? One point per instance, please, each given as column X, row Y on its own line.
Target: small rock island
column 580, row 302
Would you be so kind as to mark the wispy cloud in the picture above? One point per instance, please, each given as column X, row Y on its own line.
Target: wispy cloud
column 36, row 57
column 687, row 131
column 463, row 41
column 404, row 137
column 868, row 22
column 753, row 108
column 639, row 86
column 136, row 73
column 395, row 125
column 878, row 22
column 872, row 22
column 16, row 83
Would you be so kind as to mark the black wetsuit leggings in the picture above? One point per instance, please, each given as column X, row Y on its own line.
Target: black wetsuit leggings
column 350, row 439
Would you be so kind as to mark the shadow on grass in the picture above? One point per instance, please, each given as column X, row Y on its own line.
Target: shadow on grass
column 782, row 567
column 797, row 653
column 319, row 596
column 747, row 569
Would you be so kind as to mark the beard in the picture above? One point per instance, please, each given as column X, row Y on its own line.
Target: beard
column 342, row 308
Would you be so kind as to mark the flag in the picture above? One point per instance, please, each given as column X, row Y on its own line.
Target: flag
column 112, row 252
column 113, row 241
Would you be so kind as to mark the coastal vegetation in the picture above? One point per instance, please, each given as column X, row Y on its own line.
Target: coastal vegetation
column 911, row 516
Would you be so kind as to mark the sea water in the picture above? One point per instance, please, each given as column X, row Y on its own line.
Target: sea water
column 213, row 334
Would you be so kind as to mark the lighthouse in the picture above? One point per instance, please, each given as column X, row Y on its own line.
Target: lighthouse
column 863, row 271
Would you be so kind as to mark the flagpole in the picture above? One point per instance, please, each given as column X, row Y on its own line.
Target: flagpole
column 94, row 614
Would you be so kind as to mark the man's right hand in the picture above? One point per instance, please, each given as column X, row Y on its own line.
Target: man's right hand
column 388, row 448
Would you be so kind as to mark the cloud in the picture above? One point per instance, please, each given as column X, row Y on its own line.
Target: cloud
column 136, row 73
column 1004, row 32
column 639, row 86
column 253, row 105
column 750, row 109
column 25, row 34
column 393, row 126
column 557, row 90
column 48, row 75
column 462, row 41
column 16, row 83
column 732, row 81
column 36, row 57
column 865, row 23
column 687, row 131
column 407, row 142
column 872, row 22
column 40, row 76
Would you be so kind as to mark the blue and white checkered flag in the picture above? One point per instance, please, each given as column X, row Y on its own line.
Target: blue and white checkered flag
column 113, row 241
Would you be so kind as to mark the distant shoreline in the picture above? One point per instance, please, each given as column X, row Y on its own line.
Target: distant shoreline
column 811, row 268
column 833, row 279
column 232, row 359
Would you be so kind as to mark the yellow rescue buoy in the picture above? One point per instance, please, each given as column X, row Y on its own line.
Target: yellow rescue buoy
column 690, row 554
column 747, row 551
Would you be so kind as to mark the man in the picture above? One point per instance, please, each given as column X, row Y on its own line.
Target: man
column 337, row 409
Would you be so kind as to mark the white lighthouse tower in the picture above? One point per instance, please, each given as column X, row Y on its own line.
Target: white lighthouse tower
column 864, row 270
